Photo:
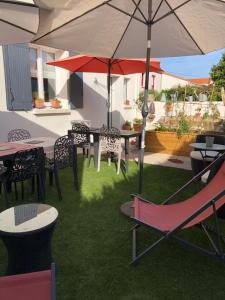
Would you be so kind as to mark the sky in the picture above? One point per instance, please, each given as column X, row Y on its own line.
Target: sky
column 191, row 66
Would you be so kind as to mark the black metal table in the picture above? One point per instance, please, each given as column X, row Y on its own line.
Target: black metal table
column 125, row 134
column 26, row 231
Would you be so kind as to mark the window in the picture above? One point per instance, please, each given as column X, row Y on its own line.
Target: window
column 43, row 79
column 125, row 87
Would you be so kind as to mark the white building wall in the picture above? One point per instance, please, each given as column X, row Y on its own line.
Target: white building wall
column 94, row 105
column 168, row 81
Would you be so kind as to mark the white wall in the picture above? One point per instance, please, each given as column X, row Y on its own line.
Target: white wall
column 94, row 106
column 168, row 81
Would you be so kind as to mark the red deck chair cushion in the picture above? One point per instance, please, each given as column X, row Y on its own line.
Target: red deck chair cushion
column 168, row 217
column 30, row 286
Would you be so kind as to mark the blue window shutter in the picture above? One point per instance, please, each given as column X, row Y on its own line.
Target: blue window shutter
column 17, row 77
column 76, row 90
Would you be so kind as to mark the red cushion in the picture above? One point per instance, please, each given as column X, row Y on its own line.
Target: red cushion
column 168, row 217
column 30, row 286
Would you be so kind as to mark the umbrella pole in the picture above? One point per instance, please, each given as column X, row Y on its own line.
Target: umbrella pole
column 145, row 104
column 108, row 93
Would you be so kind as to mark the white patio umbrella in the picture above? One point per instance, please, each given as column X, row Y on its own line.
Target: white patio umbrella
column 18, row 21
column 133, row 28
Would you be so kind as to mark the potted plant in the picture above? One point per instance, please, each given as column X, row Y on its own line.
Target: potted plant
column 137, row 124
column 169, row 105
column 127, row 102
column 55, row 103
column 39, row 103
column 127, row 125
column 198, row 112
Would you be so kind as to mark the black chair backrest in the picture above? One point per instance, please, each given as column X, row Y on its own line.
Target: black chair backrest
column 18, row 135
column 111, row 132
column 63, row 152
column 83, row 137
column 26, row 164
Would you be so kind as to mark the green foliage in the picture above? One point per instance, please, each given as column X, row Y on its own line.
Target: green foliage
column 127, row 123
column 183, row 126
column 137, row 121
column 218, row 73
column 139, row 102
column 162, row 127
column 183, row 92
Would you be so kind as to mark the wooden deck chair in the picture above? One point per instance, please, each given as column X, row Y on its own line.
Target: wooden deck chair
column 169, row 219
column 29, row 286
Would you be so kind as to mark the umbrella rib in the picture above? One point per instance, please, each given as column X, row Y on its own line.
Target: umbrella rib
column 74, row 19
column 172, row 10
column 19, row 3
column 126, row 13
column 17, row 26
column 182, row 24
column 126, row 29
column 140, row 11
column 91, row 59
column 160, row 4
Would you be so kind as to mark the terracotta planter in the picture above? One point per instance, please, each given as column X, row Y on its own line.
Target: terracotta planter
column 126, row 127
column 55, row 103
column 39, row 103
column 137, row 127
column 169, row 107
column 169, row 142
column 127, row 102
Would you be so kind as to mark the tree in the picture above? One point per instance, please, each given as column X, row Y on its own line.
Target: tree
column 218, row 76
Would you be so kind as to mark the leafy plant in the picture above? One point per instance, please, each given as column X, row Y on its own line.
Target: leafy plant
column 139, row 102
column 162, row 127
column 183, row 126
column 128, row 123
column 137, row 121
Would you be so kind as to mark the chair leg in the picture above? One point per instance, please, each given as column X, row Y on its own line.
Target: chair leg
column 50, row 175
column 57, row 184
column 16, row 192
column 22, row 190
column 89, row 156
column 0, row 188
column 118, row 163
column 109, row 159
column 5, row 194
column 75, row 172
column 32, row 181
column 99, row 160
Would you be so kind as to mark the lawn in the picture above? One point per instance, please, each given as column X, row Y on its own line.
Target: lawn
column 92, row 242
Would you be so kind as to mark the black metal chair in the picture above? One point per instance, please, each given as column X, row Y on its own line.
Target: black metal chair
column 18, row 135
column 25, row 165
column 82, row 140
column 65, row 155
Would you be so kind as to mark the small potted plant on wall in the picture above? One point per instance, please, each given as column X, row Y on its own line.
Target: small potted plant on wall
column 126, row 125
column 55, row 103
column 127, row 102
column 169, row 105
column 39, row 103
column 137, row 124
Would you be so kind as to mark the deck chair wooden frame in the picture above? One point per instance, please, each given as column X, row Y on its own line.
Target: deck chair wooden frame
column 212, row 232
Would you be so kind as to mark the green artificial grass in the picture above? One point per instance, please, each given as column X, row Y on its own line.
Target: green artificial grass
column 92, row 242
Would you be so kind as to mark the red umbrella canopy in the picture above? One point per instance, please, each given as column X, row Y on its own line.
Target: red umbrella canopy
column 83, row 63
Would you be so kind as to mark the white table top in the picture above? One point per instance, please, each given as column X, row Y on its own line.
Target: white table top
column 202, row 146
column 45, row 215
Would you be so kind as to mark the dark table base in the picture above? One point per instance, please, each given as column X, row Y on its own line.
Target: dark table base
column 29, row 252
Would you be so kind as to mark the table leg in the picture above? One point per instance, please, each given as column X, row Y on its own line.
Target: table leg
column 96, row 149
column 126, row 154
column 30, row 252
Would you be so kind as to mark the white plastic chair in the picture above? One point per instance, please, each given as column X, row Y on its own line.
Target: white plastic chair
column 109, row 142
